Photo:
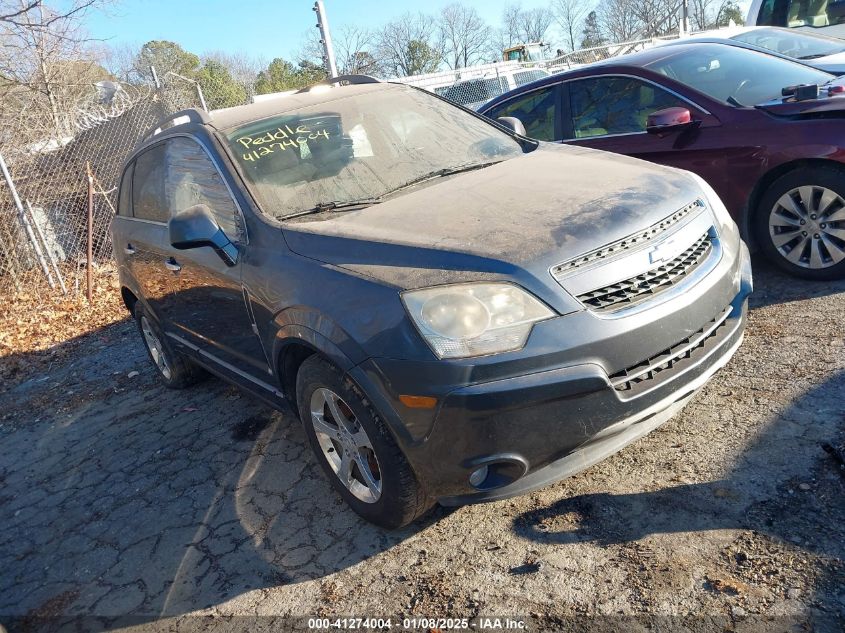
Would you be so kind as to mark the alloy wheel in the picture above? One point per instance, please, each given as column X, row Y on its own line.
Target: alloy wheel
column 807, row 227
column 156, row 348
column 346, row 445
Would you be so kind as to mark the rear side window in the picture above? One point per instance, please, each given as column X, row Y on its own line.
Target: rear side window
column 537, row 110
column 124, row 203
column 148, row 199
column 615, row 105
column 191, row 179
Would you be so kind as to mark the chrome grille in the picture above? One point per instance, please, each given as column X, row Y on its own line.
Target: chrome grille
column 644, row 286
column 637, row 377
column 619, row 246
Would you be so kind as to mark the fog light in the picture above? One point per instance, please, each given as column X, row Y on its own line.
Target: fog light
column 478, row 476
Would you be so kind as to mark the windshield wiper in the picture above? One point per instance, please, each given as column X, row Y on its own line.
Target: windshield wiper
column 734, row 102
column 334, row 205
column 440, row 173
column 814, row 56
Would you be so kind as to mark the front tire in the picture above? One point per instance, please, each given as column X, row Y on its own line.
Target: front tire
column 355, row 448
column 800, row 223
column 173, row 369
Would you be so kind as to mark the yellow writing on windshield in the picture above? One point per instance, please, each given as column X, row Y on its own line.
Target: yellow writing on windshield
column 279, row 139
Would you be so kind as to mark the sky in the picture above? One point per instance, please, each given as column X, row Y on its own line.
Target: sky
column 260, row 28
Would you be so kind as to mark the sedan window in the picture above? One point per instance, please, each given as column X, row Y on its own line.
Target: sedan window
column 792, row 43
column 536, row 109
column 615, row 105
column 735, row 75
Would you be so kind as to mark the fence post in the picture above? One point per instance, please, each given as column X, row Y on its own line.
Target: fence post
column 201, row 96
column 25, row 222
column 90, row 261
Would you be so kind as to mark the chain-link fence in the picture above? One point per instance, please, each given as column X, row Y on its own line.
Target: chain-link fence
column 47, row 157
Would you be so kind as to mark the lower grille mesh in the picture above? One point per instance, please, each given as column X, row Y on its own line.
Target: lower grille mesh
column 632, row 378
column 644, row 286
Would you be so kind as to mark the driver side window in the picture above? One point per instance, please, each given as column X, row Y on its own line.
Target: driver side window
column 615, row 105
column 190, row 178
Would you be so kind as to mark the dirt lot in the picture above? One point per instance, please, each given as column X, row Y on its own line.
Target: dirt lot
column 120, row 497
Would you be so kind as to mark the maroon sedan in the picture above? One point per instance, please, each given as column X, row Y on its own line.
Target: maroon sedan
column 774, row 153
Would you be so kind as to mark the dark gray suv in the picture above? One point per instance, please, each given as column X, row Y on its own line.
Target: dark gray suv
column 456, row 313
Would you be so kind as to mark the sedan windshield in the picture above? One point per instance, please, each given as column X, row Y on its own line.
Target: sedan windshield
column 351, row 151
column 792, row 43
column 735, row 75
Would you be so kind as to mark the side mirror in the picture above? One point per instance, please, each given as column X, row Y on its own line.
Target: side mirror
column 513, row 124
column 196, row 227
column 668, row 120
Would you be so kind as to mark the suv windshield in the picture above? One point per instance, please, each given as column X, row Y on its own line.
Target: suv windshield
column 359, row 148
column 792, row 43
column 735, row 75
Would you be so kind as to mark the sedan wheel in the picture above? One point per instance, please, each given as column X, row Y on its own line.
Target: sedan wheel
column 799, row 222
column 807, row 226
column 346, row 445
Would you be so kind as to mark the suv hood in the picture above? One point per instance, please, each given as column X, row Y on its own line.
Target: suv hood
column 524, row 214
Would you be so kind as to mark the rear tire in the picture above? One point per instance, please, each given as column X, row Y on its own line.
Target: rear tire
column 173, row 369
column 355, row 448
column 800, row 223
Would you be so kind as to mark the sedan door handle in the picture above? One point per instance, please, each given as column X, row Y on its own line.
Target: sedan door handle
column 129, row 249
column 173, row 265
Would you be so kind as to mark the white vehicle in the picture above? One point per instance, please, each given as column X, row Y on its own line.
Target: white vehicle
column 823, row 16
column 814, row 49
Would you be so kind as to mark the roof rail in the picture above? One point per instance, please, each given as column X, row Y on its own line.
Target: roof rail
column 343, row 80
column 190, row 115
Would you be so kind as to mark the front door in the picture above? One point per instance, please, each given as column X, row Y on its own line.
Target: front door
column 204, row 303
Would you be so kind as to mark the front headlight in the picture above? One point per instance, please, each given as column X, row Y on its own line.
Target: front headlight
column 474, row 319
column 715, row 203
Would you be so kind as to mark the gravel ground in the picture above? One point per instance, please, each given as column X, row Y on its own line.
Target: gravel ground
column 119, row 497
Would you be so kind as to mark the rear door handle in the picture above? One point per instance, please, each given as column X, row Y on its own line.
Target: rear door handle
column 129, row 250
column 173, row 265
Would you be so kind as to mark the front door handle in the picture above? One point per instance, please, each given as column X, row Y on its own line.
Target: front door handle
column 129, row 249
column 173, row 265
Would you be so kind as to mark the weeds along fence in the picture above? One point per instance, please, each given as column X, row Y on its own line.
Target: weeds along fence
column 47, row 156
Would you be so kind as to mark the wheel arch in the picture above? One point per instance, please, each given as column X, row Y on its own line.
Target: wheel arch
column 129, row 299
column 767, row 179
column 295, row 344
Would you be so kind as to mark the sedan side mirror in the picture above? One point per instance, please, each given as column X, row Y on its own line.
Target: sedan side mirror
column 196, row 227
column 668, row 120
column 513, row 124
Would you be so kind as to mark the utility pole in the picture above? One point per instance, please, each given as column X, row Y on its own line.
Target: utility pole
column 684, row 29
column 325, row 39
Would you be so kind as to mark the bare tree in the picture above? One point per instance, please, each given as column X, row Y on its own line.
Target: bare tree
column 354, row 49
column 409, row 45
column 464, row 35
column 47, row 63
column 510, row 32
column 619, row 20
column 242, row 67
column 570, row 15
column 535, row 23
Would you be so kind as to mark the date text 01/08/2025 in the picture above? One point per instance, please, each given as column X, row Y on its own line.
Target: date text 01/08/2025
column 419, row 623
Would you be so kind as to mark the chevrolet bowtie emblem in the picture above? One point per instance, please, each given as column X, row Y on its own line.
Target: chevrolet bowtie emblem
column 660, row 252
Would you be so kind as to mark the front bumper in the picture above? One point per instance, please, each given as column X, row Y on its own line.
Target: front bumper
column 554, row 408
